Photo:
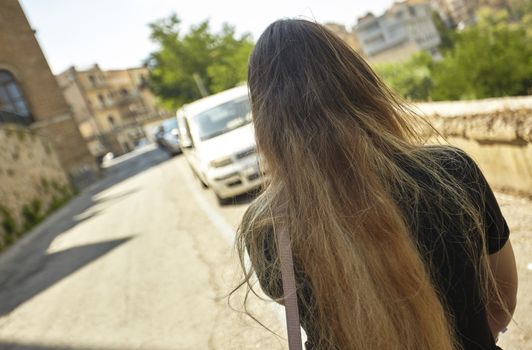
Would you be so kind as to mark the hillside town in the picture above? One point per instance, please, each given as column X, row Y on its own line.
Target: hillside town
column 117, row 228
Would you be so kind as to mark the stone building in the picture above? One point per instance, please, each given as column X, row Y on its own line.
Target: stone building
column 30, row 95
column 110, row 106
column 404, row 29
column 456, row 12
column 460, row 13
column 349, row 36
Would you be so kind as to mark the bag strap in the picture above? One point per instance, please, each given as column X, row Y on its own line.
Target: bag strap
column 289, row 290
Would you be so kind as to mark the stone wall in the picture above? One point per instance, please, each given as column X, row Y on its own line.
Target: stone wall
column 497, row 133
column 32, row 181
column 22, row 57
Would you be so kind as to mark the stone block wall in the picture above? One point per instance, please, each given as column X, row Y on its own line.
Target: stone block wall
column 497, row 133
column 22, row 57
column 32, row 181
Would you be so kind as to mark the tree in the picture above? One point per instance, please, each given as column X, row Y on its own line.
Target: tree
column 446, row 33
column 219, row 60
column 230, row 61
column 492, row 58
column 411, row 79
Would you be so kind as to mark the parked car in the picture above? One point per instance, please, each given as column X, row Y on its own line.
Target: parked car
column 167, row 137
column 219, row 144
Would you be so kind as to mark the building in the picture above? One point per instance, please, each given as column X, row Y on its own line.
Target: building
column 110, row 107
column 30, row 95
column 461, row 13
column 401, row 31
column 349, row 36
column 456, row 12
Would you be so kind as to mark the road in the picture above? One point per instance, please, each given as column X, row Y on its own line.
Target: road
column 144, row 260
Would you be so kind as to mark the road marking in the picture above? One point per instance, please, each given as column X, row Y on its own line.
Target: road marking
column 227, row 231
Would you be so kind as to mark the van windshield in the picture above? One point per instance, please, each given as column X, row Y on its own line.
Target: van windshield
column 223, row 118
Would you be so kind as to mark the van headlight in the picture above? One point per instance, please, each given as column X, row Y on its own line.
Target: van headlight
column 219, row 163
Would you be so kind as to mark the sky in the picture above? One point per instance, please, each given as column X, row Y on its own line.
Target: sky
column 115, row 33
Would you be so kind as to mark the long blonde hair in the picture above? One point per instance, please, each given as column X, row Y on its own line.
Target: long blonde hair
column 330, row 135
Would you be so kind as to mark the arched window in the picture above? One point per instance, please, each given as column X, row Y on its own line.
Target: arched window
column 11, row 98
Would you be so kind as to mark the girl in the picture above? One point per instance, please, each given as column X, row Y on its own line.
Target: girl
column 396, row 245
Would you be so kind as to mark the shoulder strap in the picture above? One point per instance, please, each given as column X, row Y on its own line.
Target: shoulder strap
column 289, row 290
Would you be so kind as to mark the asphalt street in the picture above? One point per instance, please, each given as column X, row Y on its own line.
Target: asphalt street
column 142, row 260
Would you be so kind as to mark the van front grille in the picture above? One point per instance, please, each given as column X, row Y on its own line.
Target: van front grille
column 246, row 153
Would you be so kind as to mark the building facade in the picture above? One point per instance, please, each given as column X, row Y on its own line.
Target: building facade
column 456, row 12
column 110, row 107
column 402, row 30
column 349, row 36
column 30, row 95
column 461, row 13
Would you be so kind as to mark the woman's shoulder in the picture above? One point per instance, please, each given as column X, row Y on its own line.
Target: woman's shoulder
column 447, row 154
column 454, row 161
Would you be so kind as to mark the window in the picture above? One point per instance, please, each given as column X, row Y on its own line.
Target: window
column 102, row 100
column 92, row 79
column 11, row 98
column 111, row 119
column 376, row 39
column 223, row 118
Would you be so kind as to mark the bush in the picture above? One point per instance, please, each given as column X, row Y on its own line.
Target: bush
column 411, row 79
column 8, row 225
column 489, row 59
column 32, row 214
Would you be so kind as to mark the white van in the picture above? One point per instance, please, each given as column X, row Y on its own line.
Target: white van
column 219, row 144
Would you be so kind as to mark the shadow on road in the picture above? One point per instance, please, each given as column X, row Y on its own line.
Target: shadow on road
column 21, row 346
column 26, row 269
column 53, row 268
column 243, row 199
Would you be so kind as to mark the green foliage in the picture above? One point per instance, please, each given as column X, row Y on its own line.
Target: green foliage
column 62, row 194
column 218, row 59
column 45, row 184
column 489, row 59
column 446, row 34
column 492, row 58
column 57, row 202
column 32, row 214
column 8, row 224
column 521, row 10
column 411, row 79
column 230, row 60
